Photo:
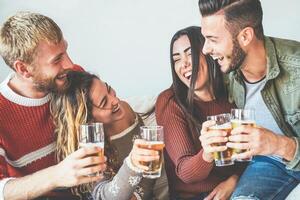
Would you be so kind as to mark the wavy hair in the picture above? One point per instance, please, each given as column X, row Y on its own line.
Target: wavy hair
column 69, row 110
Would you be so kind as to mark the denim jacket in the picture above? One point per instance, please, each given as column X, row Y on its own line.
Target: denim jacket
column 281, row 93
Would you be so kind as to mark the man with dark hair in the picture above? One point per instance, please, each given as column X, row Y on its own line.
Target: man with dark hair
column 261, row 73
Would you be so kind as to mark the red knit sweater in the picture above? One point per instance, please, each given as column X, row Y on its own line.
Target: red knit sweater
column 188, row 174
column 23, row 130
column 27, row 141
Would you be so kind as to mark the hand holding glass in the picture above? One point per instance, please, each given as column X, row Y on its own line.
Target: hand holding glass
column 245, row 117
column 92, row 134
column 222, row 158
column 153, row 135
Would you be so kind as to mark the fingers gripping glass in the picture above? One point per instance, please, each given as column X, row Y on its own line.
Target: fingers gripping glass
column 154, row 138
column 90, row 135
column 222, row 158
column 245, row 117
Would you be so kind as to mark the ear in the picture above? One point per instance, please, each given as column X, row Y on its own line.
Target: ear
column 246, row 36
column 22, row 68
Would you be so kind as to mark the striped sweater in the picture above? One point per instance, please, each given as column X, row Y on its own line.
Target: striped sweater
column 188, row 174
column 26, row 134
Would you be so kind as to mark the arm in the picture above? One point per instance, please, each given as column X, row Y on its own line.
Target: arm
column 161, row 187
column 72, row 171
column 123, row 184
column 189, row 162
column 224, row 189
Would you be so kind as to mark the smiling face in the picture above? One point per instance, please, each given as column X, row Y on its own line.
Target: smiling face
column 49, row 66
column 106, row 105
column 182, row 58
column 219, row 43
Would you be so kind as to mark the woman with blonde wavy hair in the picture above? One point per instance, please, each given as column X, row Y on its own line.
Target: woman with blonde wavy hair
column 88, row 99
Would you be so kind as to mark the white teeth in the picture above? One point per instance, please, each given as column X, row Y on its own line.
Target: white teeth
column 117, row 107
column 61, row 76
column 217, row 58
column 188, row 74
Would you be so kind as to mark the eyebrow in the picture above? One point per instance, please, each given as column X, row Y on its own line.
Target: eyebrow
column 57, row 57
column 61, row 54
column 211, row 37
column 177, row 54
column 108, row 88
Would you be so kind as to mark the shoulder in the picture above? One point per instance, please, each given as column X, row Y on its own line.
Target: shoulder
column 166, row 105
column 165, row 97
column 286, row 50
column 166, row 100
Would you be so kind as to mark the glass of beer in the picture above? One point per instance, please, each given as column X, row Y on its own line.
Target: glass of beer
column 245, row 117
column 92, row 134
column 222, row 158
column 153, row 135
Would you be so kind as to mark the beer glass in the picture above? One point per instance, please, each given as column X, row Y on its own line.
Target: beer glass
column 222, row 158
column 245, row 117
column 154, row 141
column 92, row 134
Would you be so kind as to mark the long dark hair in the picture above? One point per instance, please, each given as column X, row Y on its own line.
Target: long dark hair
column 71, row 108
column 184, row 95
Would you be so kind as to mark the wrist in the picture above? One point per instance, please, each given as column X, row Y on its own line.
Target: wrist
column 131, row 164
column 207, row 157
column 286, row 147
column 54, row 180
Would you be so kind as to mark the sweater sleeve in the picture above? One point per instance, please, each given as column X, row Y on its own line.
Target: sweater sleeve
column 3, row 163
column 4, row 178
column 189, row 164
column 122, row 186
column 161, row 188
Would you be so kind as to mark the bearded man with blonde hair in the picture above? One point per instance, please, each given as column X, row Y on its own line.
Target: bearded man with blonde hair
column 33, row 46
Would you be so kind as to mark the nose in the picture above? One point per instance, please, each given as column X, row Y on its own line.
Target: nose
column 186, row 61
column 67, row 63
column 206, row 48
column 113, row 98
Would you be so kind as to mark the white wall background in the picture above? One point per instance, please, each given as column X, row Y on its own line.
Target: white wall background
column 126, row 42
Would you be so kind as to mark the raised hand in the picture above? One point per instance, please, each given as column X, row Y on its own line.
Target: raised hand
column 210, row 137
column 77, row 168
column 260, row 141
column 141, row 154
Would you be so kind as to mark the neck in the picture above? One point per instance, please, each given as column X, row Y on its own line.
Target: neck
column 117, row 127
column 254, row 67
column 25, row 88
column 205, row 94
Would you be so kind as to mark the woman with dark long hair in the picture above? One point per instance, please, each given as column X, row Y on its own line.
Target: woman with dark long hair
column 87, row 99
column 197, row 91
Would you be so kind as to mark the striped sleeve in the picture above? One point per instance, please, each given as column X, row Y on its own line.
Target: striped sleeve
column 189, row 164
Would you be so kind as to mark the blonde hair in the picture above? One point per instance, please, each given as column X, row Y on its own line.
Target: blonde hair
column 67, row 119
column 21, row 34
column 69, row 110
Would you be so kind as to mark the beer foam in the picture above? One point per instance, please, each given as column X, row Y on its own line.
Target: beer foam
column 223, row 126
column 155, row 142
column 239, row 121
column 90, row 144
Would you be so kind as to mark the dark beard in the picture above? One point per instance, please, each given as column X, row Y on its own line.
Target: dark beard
column 237, row 58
